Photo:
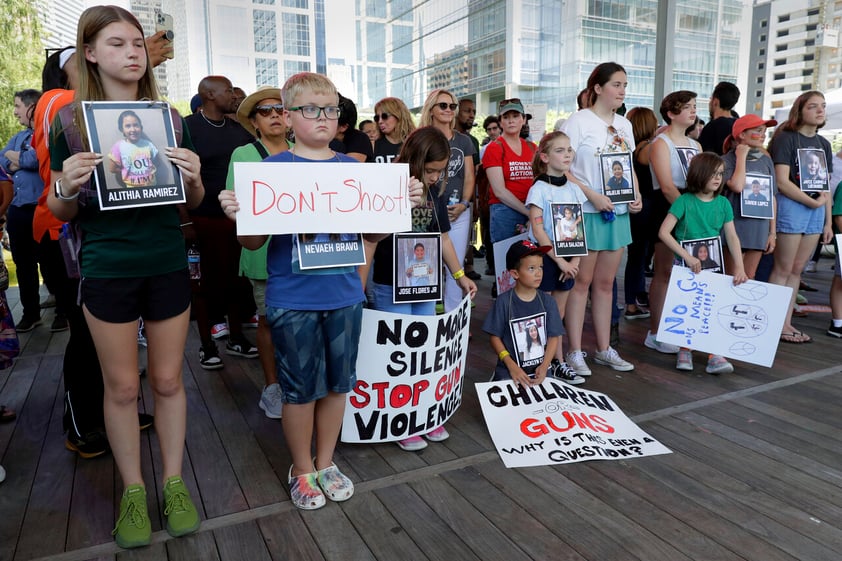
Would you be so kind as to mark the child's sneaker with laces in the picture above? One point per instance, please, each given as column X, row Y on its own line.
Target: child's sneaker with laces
column 335, row 484
column 304, row 491
column 133, row 528
column 562, row 371
column 684, row 360
column 241, row 348
column 718, row 365
column 181, row 513
column 576, row 361
column 611, row 358
column 653, row 343
column 219, row 330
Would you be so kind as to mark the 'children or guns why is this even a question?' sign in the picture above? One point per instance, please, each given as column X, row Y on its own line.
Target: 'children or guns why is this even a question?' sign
column 706, row 312
column 410, row 374
column 555, row 423
column 329, row 198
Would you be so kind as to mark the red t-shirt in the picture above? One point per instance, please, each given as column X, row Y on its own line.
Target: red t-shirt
column 517, row 170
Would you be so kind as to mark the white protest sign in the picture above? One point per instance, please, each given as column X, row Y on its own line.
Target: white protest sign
column 555, row 423
column 706, row 312
column 504, row 278
column 410, row 374
column 329, row 198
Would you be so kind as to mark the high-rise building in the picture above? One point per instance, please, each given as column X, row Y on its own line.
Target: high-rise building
column 541, row 50
column 794, row 48
column 58, row 20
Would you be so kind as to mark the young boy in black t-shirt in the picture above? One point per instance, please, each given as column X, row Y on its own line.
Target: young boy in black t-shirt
column 524, row 324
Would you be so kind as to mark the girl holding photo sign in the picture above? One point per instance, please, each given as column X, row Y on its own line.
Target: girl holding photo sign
column 803, row 217
column 594, row 132
column 746, row 164
column 427, row 152
column 702, row 213
column 133, row 264
column 553, row 185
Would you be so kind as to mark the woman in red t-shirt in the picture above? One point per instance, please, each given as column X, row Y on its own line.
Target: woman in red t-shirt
column 508, row 165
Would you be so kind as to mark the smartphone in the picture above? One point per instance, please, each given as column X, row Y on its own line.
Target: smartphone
column 163, row 22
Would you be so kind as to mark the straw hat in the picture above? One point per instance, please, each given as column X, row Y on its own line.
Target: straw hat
column 247, row 106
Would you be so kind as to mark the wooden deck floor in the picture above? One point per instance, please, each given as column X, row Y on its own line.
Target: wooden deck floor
column 756, row 472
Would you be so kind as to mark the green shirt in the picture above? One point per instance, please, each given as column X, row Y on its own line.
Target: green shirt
column 252, row 262
column 125, row 243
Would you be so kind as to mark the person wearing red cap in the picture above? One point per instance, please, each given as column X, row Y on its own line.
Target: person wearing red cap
column 748, row 165
column 803, row 217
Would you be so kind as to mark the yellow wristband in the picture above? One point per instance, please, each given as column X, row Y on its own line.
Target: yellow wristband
column 459, row 274
column 503, row 354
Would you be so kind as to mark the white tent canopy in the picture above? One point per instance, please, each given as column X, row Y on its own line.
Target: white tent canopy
column 834, row 110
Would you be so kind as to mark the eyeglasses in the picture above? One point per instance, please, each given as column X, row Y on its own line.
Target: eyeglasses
column 266, row 110
column 719, row 174
column 382, row 117
column 508, row 101
column 445, row 106
column 331, row 112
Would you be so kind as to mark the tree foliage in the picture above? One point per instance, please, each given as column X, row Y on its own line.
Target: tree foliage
column 21, row 57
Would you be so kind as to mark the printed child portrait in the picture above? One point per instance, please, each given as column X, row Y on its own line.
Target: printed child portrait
column 756, row 197
column 530, row 338
column 617, row 178
column 707, row 251
column 812, row 168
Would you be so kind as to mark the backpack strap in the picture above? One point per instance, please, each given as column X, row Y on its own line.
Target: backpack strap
column 260, row 149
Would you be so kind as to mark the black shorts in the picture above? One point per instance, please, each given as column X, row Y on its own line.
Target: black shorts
column 123, row 300
column 550, row 282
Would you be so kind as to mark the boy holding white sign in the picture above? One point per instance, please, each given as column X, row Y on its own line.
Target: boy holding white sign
column 315, row 315
column 701, row 213
column 520, row 315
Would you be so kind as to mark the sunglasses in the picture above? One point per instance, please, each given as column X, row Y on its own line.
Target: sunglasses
column 508, row 101
column 266, row 110
column 445, row 106
column 382, row 117
column 617, row 140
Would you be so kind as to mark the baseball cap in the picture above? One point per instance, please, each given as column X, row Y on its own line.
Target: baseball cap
column 749, row 122
column 521, row 249
column 513, row 104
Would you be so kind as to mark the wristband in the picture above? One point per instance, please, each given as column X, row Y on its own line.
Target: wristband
column 185, row 224
column 466, row 203
column 503, row 354
column 60, row 196
column 458, row 274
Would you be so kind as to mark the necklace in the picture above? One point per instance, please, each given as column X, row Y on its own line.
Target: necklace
column 211, row 123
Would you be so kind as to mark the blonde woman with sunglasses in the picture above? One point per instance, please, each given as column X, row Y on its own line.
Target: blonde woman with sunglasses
column 439, row 111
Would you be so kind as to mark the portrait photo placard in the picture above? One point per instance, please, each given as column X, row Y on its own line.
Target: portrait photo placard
column 132, row 137
column 708, row 251
column 568, row 230
column 756, row 197
column 685, row 156
column 417, row 268
column 530, row 337
column 321, row 251
column 812, row 170
column 617, row 176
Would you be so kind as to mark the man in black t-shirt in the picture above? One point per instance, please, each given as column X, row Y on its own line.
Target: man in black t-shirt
column 220, row 290
column 349, row 140
column 722, row 101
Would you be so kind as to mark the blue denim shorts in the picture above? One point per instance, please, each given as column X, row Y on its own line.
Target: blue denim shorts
column 315, row 351
column 795, row 218
column 504, row 221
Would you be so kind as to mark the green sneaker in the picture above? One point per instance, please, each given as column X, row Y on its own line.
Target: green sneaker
column 133, row 527
column 182, row 517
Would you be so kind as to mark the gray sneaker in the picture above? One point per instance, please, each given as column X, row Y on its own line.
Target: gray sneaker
column 576, row 361
column 653, row 343
column 271, row 401
column 609, row 357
